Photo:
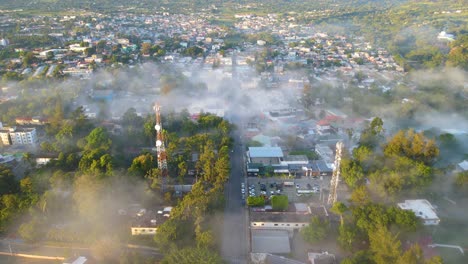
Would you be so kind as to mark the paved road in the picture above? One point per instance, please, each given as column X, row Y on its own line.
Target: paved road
column 235, row 234
column 64, row 251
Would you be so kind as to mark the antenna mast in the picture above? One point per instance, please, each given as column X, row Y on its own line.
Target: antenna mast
column 336, row 174
column 160, row 146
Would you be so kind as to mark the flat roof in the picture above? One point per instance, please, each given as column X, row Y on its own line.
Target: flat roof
column 301, row 207
column 422, row 208
column 270, row 241
column 265, row 152
column 296, row 158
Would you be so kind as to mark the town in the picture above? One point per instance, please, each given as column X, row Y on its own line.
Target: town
column 253, row 137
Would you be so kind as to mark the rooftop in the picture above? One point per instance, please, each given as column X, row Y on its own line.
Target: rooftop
column 463, row 165
column 296, row 158
column 321, row 258
column 290, row 216
column 265, row 152
column 270, row 241
column 422, row 208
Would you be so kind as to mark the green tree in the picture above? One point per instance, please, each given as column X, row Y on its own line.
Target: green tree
column 347, row 237
column 360, row 196
column 339, row 208
column 142, row 164
column 279, row 202
column 384, row 246
column 372, row 134
column 461, row 179
column 405, row 219
column 98, row 139
column 255, row 201
column 316, row 231
column 192, row 255
column 352, row 172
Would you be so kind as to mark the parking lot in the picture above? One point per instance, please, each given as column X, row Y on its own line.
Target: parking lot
column 313, row 188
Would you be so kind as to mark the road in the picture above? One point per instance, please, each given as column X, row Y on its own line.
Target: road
column 235, row 243
column 20, row 247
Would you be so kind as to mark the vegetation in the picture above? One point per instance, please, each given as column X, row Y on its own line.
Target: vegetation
column 279, row 202
column 316, row 231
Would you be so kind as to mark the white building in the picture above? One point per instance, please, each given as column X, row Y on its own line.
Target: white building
column 445, row 36
column 462, row 166
column 18, row 136
column 423, row 209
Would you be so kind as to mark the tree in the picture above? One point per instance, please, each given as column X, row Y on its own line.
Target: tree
column 50, row 55
column 369, row 217
column 255, row 201
column 8, row 183
column 352, row 172
column 28, row 59
column 279, row 202
column 192, row 255
column 372, row 134
column 145, row 48
column 98, row 139
column 339, row 208
column 142, row 164
column 347, row 236
column 384, row 246
column 405, row 219
column 413, row 255
column 31, row 231
column 316, row 231
column 360, row 196
column 362, row 256
column 412, row 145
column 461, row 179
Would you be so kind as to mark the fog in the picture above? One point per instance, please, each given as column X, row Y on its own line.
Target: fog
column 97, row 203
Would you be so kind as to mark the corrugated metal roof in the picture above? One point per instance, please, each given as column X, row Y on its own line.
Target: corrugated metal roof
column 270, row 241
column 265, row 152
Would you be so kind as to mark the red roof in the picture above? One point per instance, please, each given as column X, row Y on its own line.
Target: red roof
column 323, row 122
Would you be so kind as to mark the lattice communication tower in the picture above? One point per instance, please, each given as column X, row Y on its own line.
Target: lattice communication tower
column 336, row 174
column 160, row 146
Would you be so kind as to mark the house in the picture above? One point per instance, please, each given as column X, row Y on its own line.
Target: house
column 266, row 258
column 324, row 169
column 265, row 155
column 321, row 258
column 462, row 166
column 147, row 222
column 423, row 209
